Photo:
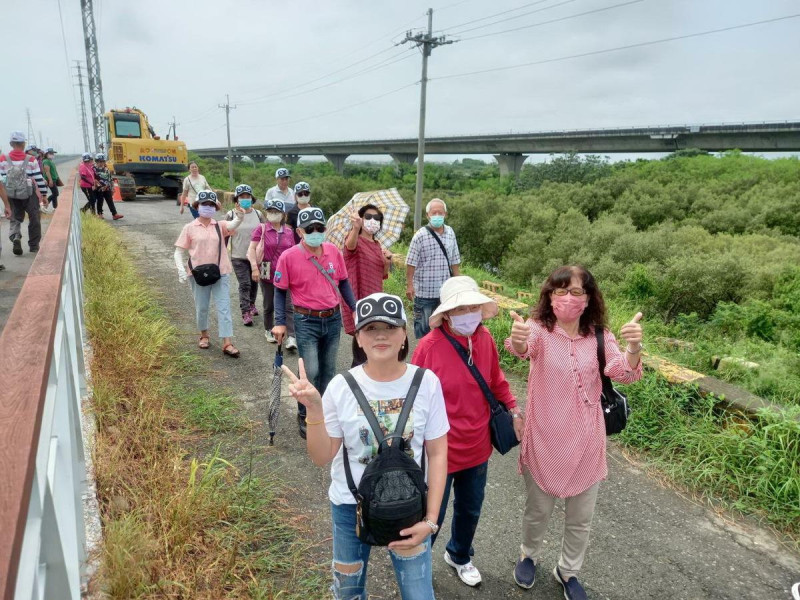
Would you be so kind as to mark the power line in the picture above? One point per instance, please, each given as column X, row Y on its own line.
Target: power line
column 505, row 12
column 617, row 48
column 66, row 58
column 201, row 116
column 540, row 23
column 330, row 112
column 404, row 55
column 532, row 12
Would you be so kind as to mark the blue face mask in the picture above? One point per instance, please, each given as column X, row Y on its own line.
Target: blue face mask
column 314, row 239
column 437, row 221
column 206, row 211
column 246, row 203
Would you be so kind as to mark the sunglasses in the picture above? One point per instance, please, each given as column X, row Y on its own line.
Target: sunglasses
column 372, row 217
column 302, row 193
column 319, row 228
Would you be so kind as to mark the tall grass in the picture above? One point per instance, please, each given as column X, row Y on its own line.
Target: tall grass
column 750, row 465
column 175, row 525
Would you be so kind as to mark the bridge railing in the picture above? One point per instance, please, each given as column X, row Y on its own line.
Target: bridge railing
column 43, row 473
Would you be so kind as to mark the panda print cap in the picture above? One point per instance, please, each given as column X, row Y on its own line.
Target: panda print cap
column 380, row 307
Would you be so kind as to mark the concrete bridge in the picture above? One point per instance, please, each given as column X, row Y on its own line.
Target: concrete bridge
column 511, row 150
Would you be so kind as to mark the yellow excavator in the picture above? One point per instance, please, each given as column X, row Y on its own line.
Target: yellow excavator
column 138, row 158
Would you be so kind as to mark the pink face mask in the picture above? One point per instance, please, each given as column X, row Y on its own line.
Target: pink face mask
column 568, row 308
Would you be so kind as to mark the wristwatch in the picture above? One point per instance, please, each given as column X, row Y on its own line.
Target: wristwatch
column 434, row 527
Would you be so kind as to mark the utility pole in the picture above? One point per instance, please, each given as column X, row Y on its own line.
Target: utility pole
column 427, row 42
column 93, row 72
column 173, row 128
column 31, row 133
column 227, row 106
column 84, row 123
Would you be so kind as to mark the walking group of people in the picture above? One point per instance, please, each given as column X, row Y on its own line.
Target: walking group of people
column 403, row 436
column 97, row 185
column 27, row 175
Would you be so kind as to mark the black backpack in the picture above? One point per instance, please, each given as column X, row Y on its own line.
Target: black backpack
column 392, row 494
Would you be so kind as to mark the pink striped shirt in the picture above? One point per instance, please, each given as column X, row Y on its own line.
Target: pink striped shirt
column 564, row 446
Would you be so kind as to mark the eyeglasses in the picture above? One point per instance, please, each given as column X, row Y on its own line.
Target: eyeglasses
column 573, row 291
column 319, row 228
column 372, row 217
column 302, row 193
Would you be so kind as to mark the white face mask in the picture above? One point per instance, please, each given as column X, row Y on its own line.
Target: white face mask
column 466, row 324
column 372, row 226
column 303, row 199
column 274, row 217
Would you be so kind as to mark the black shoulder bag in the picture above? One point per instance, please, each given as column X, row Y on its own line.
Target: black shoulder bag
column 392, row 494
column 614, row 402
column 441, row 245
column 501, row 423
column 208, row 274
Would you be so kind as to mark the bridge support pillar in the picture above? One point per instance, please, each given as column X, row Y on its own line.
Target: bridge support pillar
column 289, row 159
column 337, row 160
column 404, row 158
column 510, row 164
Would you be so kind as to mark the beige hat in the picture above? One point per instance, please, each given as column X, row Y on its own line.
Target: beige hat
column 461, row 291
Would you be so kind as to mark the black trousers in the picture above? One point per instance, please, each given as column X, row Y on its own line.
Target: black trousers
column 54, row 196
column 108, row 196
column 89, row 193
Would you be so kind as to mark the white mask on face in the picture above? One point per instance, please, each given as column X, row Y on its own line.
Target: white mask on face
column 303, row 199
column 372, row 226
column 274, row 217
column 466, row 324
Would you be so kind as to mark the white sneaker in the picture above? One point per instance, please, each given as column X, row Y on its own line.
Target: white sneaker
column 291, row 343
column 270, row 338
column 467, row 573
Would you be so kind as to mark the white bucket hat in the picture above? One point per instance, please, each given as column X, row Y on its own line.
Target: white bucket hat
column 461, row 291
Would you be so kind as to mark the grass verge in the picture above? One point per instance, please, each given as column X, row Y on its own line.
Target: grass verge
column 175, row 525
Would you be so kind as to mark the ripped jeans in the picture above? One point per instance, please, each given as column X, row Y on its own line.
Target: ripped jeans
column 414, row 573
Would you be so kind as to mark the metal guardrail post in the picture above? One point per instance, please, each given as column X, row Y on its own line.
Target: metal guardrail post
column 41, row 510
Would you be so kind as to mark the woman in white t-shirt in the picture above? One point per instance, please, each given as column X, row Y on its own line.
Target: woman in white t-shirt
column 193, row 184
column 385, row 379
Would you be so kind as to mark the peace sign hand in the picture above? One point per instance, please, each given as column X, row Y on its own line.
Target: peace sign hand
column 301, row 388
column 631, row 332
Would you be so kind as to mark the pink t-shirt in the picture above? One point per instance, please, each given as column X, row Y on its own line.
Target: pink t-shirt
column 86, row 173
column 204, row 244
column 310, row 289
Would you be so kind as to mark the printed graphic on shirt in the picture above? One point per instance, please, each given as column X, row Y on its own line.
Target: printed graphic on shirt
column 277, row 276
column 387, row 412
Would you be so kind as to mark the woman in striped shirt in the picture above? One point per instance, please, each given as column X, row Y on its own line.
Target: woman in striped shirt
column 563, row 453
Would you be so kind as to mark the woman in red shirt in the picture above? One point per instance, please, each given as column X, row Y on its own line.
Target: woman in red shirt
column 366, row 260
column 563, row 452
column 469, row 446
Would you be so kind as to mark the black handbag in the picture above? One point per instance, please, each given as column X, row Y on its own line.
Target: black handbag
column 208, row 274
column 614, row 402
column 501, row 423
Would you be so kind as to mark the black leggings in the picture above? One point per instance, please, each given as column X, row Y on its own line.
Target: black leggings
column 54, row 196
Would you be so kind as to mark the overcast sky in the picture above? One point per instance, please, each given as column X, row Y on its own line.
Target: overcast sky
column 180, row 57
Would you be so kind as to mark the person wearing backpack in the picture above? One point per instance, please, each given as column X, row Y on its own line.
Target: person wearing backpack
column 240, row 242
column 458, row 321
column 383, row 426
column 267, row 243
column 22, row 172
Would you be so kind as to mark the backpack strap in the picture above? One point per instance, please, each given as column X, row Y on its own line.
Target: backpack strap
column 408, row 404
column 441, row 245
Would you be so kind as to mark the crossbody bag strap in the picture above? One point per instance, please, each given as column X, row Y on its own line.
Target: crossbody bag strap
column 325, row 274
column 601, row 361
column 219, row 249
column 494, row 405
column 441, row 245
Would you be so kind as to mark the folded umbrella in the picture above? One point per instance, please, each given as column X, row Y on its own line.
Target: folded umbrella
column 390, row 203
column 275, row 396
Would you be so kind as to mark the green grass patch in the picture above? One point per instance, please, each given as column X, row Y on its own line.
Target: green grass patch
column 752, row 465
column 175, row 525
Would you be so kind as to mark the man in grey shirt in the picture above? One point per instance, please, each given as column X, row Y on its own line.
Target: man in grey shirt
column 433, row 257
column 281, row 191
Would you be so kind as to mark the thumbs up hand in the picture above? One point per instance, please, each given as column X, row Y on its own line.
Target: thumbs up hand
column 520, row 332
column 631, row 332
